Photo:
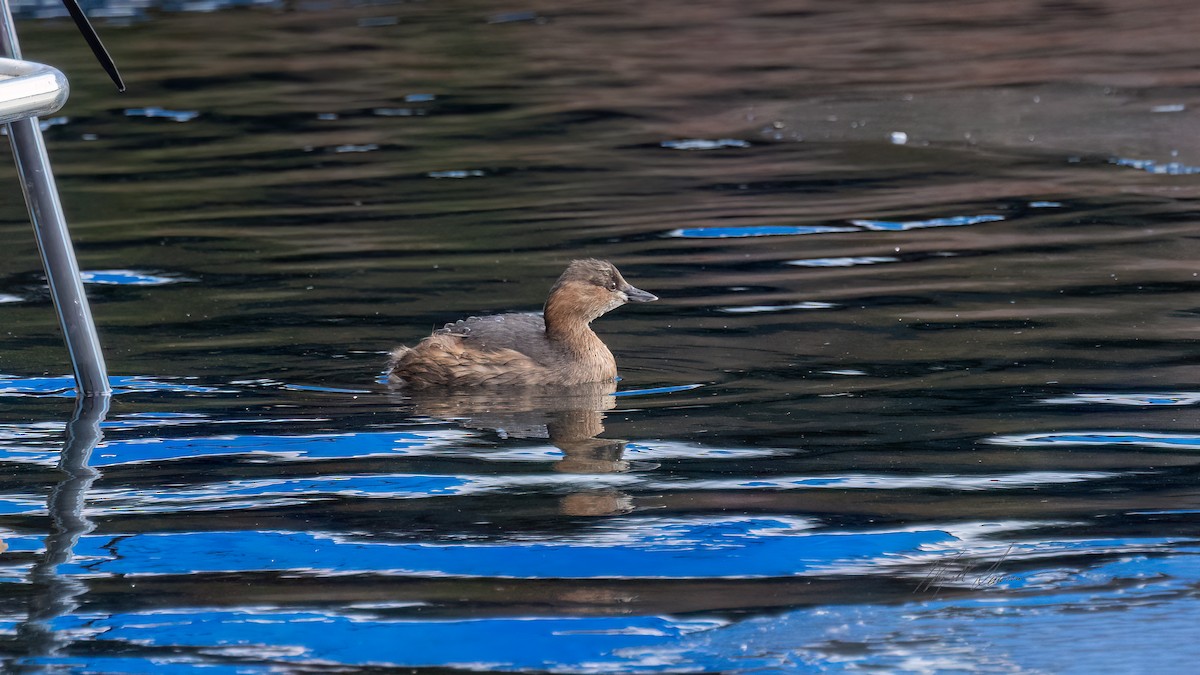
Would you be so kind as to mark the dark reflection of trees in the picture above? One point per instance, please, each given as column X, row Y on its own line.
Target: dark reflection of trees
column 572, row 418
column 57, row 595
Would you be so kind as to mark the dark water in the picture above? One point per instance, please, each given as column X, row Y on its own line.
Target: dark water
column 920, row 394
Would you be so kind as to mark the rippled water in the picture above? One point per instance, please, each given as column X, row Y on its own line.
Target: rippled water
column 919, row 394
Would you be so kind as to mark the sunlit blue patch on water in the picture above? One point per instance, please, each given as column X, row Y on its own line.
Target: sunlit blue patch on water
column 1143, row 439
column 64, row 386
column 754, row 231
column 658, row 390
column 679, row 450
column 842, row 262
column 132, row 665
column 245, row 494
column 1151, row 166
column 979, row 632
column 138, row 420
column 705, row 144
column 366, row 147
column 465, row 173
column 152, row 111
column 897, row 482
column 1134, row 399
column 926, row 631
column 629, row 548
column 128, row 278
column 1045, row 205
column 257, row 494
column 330, row 390
column 362, row 638
column 643, row 450
column 6, row 298
column 316, row 446
column 953, row 221
column 25, row 505
column 756, row 309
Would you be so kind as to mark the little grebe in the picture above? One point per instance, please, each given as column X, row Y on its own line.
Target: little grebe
column 556, row 348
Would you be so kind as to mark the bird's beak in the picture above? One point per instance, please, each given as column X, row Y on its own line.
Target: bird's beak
column 637, row 295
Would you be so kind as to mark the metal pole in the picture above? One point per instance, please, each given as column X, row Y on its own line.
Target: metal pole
column 53, row 239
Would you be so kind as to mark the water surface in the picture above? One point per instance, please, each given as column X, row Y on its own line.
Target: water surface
column 919, row 394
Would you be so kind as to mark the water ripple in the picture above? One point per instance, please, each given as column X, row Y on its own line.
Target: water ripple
column 626, row 548
column 756, row 231
column 366, row 147
column 153, row 111
column 842, row 262
column 658, row 390
column 1149, row 440
column 465, row 173
column 297, row 448
column 756, row 309
column 64, row 386
column 953, row 221
column 366, row 637
column 129, row 278
column 872, row 225
column 1151, row 166
column 705, row 144
column 882, row 482
column 1134, row 399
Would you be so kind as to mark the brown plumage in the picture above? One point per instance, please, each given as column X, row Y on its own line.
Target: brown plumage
column 555, row 348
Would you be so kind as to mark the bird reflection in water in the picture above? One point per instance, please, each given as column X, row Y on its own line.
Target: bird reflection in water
column 570, row 417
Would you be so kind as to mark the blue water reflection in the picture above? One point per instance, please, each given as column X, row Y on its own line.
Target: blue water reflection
column 590, row 645
column 705, row 144
column 651, row 548
column 316, row 446
column 756, row 231
column 129, row 278
column 1130, row 398
column 860, row 225
column 900, row 226
column 64, row 386
column 926, row 633
column 1144, row 439
column 154, row 111
column 1155, row 167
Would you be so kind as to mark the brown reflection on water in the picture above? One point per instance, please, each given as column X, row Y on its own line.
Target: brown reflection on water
column 572, row 418
column 455, row 598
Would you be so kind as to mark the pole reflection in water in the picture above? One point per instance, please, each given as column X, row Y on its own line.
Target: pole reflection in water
column 58, row 595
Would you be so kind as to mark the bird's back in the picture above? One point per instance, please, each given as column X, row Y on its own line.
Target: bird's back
column 524, row 333
column 491, row 350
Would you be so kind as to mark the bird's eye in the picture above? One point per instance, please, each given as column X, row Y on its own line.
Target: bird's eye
column 612, row 284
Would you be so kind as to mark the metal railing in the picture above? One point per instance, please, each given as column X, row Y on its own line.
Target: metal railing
column 28, row 90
